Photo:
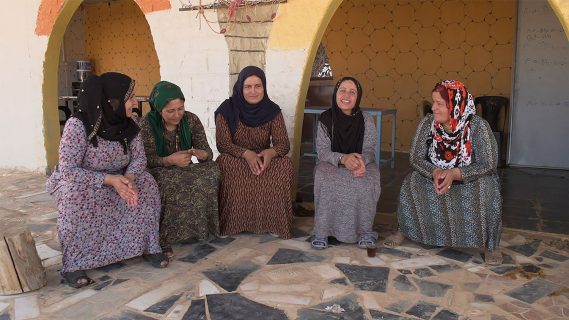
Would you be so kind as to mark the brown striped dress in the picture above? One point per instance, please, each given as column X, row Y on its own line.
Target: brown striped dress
column 247, row 202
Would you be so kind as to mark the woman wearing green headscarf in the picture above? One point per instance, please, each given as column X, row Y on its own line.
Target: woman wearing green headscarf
column 180, row 160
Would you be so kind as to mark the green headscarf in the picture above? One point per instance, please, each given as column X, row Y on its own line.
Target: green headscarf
column 163, row 93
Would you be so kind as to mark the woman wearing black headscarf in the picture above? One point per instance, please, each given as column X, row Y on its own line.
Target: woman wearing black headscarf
column 109, row 206
column 346, row 178
column 255, row 192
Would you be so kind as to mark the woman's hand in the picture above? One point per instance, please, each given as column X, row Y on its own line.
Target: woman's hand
column 361, row 170
column 352, row 161
column 200, row 154
column 266, row 156
column 124, row 187
column 181, row 158
column 253, row 161
column 442, row 179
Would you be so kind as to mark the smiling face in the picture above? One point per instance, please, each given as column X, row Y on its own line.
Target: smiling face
column 130, row 104
column 346, row 96
column 253, row 90
column 440, row 109
column 173, row 113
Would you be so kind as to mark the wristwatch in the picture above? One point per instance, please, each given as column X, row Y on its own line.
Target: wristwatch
column 340, row 159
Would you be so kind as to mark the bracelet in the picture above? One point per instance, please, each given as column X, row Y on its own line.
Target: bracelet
column 340, row 159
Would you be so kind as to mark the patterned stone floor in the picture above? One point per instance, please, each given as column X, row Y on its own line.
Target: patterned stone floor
column 262, row 277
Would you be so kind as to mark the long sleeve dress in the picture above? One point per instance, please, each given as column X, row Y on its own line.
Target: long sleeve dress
column 345, row 206
column 248, row 202
column 96, row 226
column 189, row 195
column 469, row 214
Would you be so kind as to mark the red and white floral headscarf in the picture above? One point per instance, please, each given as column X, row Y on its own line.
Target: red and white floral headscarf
column 453, row 149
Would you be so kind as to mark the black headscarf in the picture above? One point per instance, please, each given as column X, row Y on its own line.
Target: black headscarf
column 346, row 132
column 102, row 108
column 237, row 108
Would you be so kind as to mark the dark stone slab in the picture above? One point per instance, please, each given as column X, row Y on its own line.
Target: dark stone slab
column 471, row 286
column 502, row 269
column 298, row 233
column 99, row 286
column 405, row 271
column 196, row 311
column 547, row 265
column 507, row 259
column 231, row 277
column 111, row 267
column 349, row 303
column 531, row 268
column 341, row 281
column 104, row 278
column 222, row 241
column 5, row 316
column 394, row 252
column 162, row 306
column 432, row 289
column 198, row 252
column 527, row 249
column 483, row 298
column 119, row 281
column 399, row 306
column 423, row 310
column 455, row 255
column 235, row 307
column 446, row 315
column 380, row 315
column 423, row 272
column 129, row 315
column 267, row 238
column 402, row 283
column 285, row 256
column 443, row 268
column 553, row 256
column 366, row 278
column 533, row 290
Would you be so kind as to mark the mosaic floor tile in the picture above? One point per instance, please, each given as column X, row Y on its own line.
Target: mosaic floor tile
column 349, row 303
column 399, row 306
column 533, row 290
column 285, row 256
column 394, row 252
column 402, row 283
column 423, row 310
column 163, row 306
column 423, row 272
column 231, row 277
column 455, row 255
column 446, row 315
column 443, row 268
column 366, row 278
column 341, row 281
column 527, row 249
column 232, row 306
column 129, row 315
column 381, row 315
column 222, row 241
column 432, row 289
column 196, row 311
column 553, row 256
column 199, row 251
column 483, row 298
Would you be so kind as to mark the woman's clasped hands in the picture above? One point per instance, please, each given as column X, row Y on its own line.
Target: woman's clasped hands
column 443, row 178
column 125, row 186
column 355, row 163
column 259, row 162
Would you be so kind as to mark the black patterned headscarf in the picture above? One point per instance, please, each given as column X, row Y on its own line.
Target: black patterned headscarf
column 102, row 108
column 237, row 108
column 345, row 131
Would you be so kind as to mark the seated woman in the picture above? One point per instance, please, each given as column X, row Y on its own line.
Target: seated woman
column 188, row 190
column 452, row 197
column 255, row 192
column 109, row 208
column 346, row 178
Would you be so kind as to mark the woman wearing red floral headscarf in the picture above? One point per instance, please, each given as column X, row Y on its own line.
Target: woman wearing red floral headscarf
column 452, row 197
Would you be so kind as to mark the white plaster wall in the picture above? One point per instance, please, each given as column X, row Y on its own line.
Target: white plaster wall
column 195, row 59
column 21, row 62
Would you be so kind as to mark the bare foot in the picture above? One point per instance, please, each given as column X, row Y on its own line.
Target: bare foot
column 393, row 240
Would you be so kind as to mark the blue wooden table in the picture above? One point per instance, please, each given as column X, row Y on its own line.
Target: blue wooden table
column 377, row 113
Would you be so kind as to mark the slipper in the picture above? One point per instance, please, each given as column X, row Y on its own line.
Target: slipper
column 157, row 260
column 319, row 243
column 493, row 258
column 394, row 240
column 168, row 252
column 77, row 279
column 366, row 240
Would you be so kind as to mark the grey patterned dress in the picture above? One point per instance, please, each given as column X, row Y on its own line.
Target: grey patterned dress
column 188, row 195
column 345, row 206
column 469, row 214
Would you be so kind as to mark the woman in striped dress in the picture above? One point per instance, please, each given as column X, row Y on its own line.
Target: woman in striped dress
column 255, row 191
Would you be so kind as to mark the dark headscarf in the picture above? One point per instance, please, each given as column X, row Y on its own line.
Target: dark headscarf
column 237, row 108
column 162, row 93
column 102, row 108
column 453, row 149
column 345, row 132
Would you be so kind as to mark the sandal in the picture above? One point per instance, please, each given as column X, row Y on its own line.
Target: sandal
column 394, row 240
column 366, row 240
column 77, row 279
column 319, row 243
column 157, row 260
column 168, row 252
column 493, row 258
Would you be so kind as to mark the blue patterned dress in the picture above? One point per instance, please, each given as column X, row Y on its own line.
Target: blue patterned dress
column 96, row 226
